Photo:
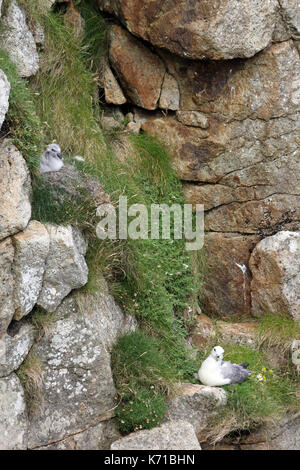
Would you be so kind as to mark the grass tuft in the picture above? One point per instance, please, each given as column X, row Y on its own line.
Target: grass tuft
column 144, row 409
column 143, row 377
column 265, row 397
column 25, row 128
column 42, row 321
column 278, row 331
column 30, row 374
column 95, row 40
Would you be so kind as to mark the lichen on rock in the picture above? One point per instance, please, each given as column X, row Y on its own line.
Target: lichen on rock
column 15, row 190
column 18, row 41
column 4, row 96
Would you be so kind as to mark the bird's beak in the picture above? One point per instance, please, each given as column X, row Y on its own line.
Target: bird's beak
column 59, row 156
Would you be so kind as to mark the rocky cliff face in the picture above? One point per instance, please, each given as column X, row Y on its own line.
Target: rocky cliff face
column 226, row 75
column 218, row 81
column 204, row 29
column 39, row 266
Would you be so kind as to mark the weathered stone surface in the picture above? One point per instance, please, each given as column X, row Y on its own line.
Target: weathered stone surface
column 133, row 128
column 190, row 147
column 39, row 35
column 248, row 161
column 73, row 17
column 170, row 96
column 4, row 96
column 196, row 404
column 244, row 333
column 193, row 118
column 18, row 41
column 13, row 422
column 106, row 313
column 275, row 285
column 240, row 333
column 261, row 198
column 227, row 284
column 99, row 437
column 245, row 165
column 65, row 268
column 78, row 389
column 31, row 250
column 236, row 151
column 176, row 435
column 284, row 435
column 112, row 91
column 15, row 191
column 295, row 353
column 108, row 123
column 203, row 332
column 263, row 87
column 291, row 15
column 6, row 285
column 139, row 71
column 277, row 212
column 201, row 28
column 17, row 344
column 69, row 183
column 210, row 195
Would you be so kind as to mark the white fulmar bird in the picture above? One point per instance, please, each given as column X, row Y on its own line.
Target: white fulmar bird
column 215, row 372
column 51, row 160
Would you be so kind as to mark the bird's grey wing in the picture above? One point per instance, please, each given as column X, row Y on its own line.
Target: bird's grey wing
column 244, row 364
column 234, row 372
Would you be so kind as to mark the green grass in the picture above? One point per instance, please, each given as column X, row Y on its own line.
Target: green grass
column 95, row 40
column 278, row 331
column 143, row 376
column 65, row 92
column 142, row 410
column 25, row 128
column 42, row 321
column 254, row 402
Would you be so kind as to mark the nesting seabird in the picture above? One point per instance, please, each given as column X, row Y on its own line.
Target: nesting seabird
column 51, row 160
column 215, row 372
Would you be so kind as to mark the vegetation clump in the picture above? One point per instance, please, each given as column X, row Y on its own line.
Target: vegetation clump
column 143, row 377
column 265, row 397
column 278, row 331
column 30, row 374
column 22, row 123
